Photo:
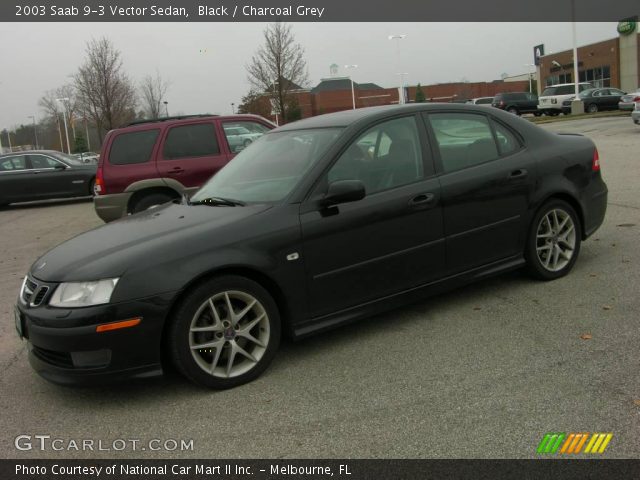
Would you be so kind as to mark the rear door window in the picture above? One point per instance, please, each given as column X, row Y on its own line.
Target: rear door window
column 187, row 141
column 40, row 162
column 464, row 140
column 12, row 164
column 133, row 147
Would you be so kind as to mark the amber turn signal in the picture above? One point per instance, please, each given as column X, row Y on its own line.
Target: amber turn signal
column 105, row 327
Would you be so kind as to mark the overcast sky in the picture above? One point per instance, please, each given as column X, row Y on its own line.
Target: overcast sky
column 205, row 61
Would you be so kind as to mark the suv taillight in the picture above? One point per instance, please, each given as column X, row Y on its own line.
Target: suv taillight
column 502, row 103
column 100, row 188
column 595, row 164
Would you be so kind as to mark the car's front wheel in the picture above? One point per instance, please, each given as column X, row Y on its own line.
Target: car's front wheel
column 513, row 110
column 592, row 108
column 225, row 332
column 554, row 241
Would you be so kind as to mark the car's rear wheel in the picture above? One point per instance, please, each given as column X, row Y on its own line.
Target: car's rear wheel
column 554, row 241
column 513, row 110
column 149, row 201
column 537, row 114
column 92, row 187
column 247, row 142
column 592, row 108
column 225, row 332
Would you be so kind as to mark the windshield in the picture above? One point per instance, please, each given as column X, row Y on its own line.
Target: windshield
column 269, row 169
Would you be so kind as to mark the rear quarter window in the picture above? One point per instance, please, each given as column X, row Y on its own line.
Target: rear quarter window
column 133, row 147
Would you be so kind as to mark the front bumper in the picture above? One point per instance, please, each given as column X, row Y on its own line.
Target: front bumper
column 65, row 348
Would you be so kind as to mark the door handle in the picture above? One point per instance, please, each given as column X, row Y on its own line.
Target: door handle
column 422, row 199
column 516, row 174
column 176, row 170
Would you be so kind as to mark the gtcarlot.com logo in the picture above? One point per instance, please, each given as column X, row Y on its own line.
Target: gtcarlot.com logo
column 573, row 443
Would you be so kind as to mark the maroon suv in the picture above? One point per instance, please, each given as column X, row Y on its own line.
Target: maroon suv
column 148, row 163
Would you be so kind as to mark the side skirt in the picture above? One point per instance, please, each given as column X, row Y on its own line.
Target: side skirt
column 415, row 294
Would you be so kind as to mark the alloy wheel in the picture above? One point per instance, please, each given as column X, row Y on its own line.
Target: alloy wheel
column 555, row 240
column 229, row 334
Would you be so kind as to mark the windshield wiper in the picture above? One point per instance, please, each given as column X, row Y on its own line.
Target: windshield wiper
column 218, row 201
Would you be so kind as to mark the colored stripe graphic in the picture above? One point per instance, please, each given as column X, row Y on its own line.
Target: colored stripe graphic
column 572, row 443
column 550, row 442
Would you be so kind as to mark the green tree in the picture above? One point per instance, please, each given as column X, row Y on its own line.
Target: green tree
column 420, row 97
column 79, row 144
column 256, row 103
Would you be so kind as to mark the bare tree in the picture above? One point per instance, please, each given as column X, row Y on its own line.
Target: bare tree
column 278, row 67
column 59, row 103
column 105, row 93
column 153, row 91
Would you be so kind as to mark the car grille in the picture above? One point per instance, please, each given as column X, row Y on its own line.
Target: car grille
column 58, row 359
column 32, row 293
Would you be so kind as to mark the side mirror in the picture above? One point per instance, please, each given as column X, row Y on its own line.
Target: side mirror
column 59, row 166
column 343, row 191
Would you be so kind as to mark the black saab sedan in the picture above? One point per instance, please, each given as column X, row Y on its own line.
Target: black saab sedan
column 315, row 224
column 43, row 175
column 596, row 100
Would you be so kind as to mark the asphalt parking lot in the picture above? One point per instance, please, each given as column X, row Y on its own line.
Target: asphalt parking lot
column 481, row 372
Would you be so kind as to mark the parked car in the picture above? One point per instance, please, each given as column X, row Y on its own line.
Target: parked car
column 635, row 115
column 517, row 102
column 43, row 175
column 149, row 163
column 239, row 136
column 628, row 101
column 550, row 102
column 595, row 100
column 87, row 157
column 480, row 101
column 302, row 232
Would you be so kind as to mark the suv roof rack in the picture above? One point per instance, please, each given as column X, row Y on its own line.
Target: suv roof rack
column 165, row 119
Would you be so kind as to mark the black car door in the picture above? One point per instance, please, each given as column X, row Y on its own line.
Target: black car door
column 14, row 179
column 52, row 178
column 487, row 177
column 387, row 242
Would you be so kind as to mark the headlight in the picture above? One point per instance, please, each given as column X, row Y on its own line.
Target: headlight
column 83, row 294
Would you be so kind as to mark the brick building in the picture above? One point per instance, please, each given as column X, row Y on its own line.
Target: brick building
column 610, row 63
column 335, row 94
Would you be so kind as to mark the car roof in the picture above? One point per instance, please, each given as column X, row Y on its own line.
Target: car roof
column 566, row 84
column 346, row 118
column 24, row 152
column 146, row 124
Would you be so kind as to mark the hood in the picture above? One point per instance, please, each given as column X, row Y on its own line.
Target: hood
column 107, row 251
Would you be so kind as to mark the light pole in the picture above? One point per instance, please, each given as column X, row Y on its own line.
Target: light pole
column 397, row 39
column 35, row 129
column 166, row 108
column 66, row 130
column 402, row 101
column 353, row 94
column 233, row 110
column 530, row 75
column 274, row 104
column 9, row 138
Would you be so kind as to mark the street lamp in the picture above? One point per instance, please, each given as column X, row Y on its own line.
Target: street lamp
column 233, row 110
column 402, row 99
column 166, row 108
column 353, row 94
column 530, row 75
column 274, row 104
column 397, row 39
column 9, row 138
column 35, row 129
column 66, row 130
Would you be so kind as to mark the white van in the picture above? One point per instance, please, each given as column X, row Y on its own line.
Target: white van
column 550, row 102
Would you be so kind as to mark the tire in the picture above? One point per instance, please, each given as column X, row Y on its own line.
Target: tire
column 513, row 111
column 247, row 142
column 149, row 201
column 592, row 108
column 537, row 114
column 547, row 246
column 256, row 333
column 92, row 185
